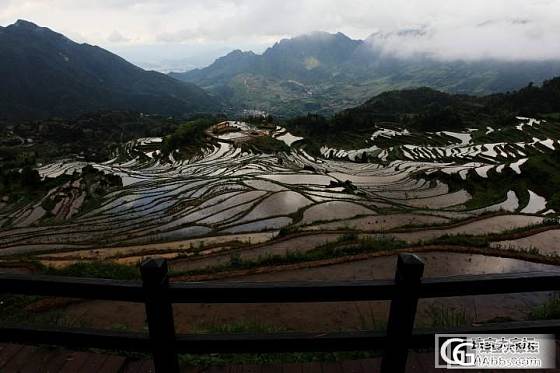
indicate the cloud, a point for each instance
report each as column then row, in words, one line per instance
column 504, row 39
column 117, row 37
column 510, row 29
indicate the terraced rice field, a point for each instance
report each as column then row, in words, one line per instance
column 227, row 197
column 227, row 205
column 481, row 156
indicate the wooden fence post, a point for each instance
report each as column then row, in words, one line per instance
column 159, row 313
column 402, row 313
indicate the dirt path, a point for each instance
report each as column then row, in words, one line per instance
column 300, row 243
column 304, row 243
column 335, row 316
column 546, row 242
column 494, row 224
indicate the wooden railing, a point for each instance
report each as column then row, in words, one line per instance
column 158, row 295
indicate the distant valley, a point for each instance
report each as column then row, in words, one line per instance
column 325, row 73
column 47, row 75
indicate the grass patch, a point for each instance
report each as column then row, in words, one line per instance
column 267, row 358
column 547, row 311
column 19, row 310
column 205, row 361
column 445, row 317
column 485, row 239
column 285, row 231
column 107, row 270
column 438, row 317
column 237, row 327
column 461, row 240
column 345, row 245
column 265, row 144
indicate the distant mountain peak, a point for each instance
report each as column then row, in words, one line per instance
column 239, row 52
column 323, row 34
column 314, row 37
column 24, row 23
column 332, row 71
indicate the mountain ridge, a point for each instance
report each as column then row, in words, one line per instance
column 46, row 74
column 428, row 110
column 332, row 72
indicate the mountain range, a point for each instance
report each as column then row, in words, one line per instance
column 45, row 74
column 324, row 73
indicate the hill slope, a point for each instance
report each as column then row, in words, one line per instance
column 325, row 73
column 46, row 74
column 427, row 110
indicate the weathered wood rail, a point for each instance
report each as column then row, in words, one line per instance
column 158, row 295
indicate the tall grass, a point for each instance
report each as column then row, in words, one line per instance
column 445, row 317
column 107, row 270
column 346, row 245
column 547, row 311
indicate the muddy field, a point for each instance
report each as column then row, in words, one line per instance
column 336, row 316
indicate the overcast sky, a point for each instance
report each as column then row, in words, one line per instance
column 174, row 33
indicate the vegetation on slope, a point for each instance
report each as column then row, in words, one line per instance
column 425, row 109
column 45, row 74
column 25, row 181
column 188, row 138
column 325, row 73
column 265, row 144
column 493, row 189
column 94, row 136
